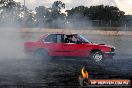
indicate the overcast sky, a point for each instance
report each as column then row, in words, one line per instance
column 124, row 5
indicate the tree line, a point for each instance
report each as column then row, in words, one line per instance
column 12, row 13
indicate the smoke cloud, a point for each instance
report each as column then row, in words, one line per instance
column 11, row 44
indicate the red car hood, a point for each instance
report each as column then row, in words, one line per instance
column 102, row 45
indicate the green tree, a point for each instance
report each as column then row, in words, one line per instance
column 10, row 11
column 100, row 12
column 56, row 9
column 78, row 12
column 42, row 11
column 13, row 12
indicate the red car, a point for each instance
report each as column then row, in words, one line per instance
column 69, row 45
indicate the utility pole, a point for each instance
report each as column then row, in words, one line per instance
column 125, row 26
column 24, row 8
column 24, row 13
column 110, row 23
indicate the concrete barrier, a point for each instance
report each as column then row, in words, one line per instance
column 82, row 31
column 79, row 31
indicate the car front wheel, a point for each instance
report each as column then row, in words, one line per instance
column 97, row 56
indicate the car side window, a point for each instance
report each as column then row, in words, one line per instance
column 59, row 38
column 70, row 40
column 51, row 38
column 74, row 39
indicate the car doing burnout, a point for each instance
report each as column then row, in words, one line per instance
column 55, row 45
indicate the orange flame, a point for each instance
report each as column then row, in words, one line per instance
column 84, row 73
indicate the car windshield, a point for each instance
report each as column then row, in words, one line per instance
column 84, row 39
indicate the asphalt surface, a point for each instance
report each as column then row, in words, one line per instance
column 21, row 71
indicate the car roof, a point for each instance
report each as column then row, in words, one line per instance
column 63, row 33
column 44, row 35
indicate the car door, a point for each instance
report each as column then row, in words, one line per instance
column 53, row 43
column 74, row 49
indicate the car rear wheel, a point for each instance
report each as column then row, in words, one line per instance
column 40, row 53
column 97, row 56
